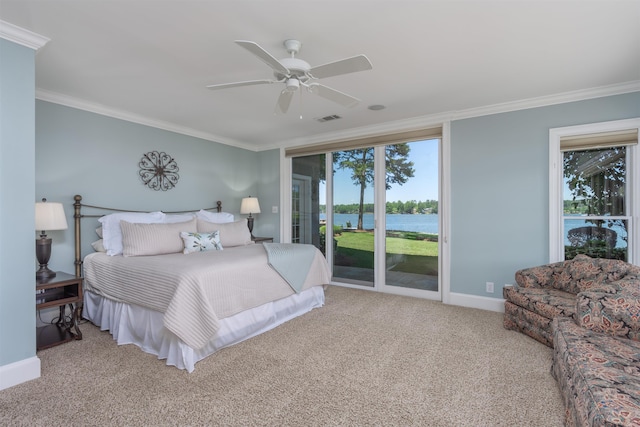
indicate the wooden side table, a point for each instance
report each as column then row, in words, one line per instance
column 262, row 239
column 60, row 291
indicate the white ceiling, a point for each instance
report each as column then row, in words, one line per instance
column 149, row 61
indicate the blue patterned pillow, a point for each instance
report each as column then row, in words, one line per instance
column 200, row 242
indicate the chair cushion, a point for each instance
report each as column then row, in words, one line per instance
column 548, row 303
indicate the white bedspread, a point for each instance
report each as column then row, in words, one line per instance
column 194, row 291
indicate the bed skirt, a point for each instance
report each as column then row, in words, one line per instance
column 132, row 324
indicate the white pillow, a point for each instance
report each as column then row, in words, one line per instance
column 112, row 233
column 201, row 242
column 231, row 233
column 215, row 217
column 154, row 239
column 178, row 218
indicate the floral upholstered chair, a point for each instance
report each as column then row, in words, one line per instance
column 545, row 292
column 596, row 358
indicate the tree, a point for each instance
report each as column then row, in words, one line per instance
column 360, row 162
column 597, row 178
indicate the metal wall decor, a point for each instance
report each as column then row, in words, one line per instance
column 158, row 171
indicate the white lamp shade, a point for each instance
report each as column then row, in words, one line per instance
column 250, row 206
column 50, row 216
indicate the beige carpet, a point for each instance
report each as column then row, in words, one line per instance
column 365, row 358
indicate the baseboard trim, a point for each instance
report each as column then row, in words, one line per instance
column 19, row 372
column 474, row 301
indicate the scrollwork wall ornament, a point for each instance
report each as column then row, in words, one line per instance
column 158, row 171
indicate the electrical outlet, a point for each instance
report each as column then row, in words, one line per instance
column 274, row 209
column 490, row 287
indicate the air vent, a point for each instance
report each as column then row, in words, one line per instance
column 328, row 118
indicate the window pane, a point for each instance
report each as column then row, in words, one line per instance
column 353, row 223
column 308, row 174
column 596, row 238
column 594, row 182
column 411, row 218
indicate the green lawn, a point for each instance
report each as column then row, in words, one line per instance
column 418, row 256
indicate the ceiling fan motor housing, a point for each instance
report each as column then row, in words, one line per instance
column 297, row 68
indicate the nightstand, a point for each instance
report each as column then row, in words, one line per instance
column 262, row 239
column 60, row 291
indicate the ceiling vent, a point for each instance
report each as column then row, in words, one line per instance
column 328, row 118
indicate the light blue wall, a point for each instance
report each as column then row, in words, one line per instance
column 500, row 188
column 267, row 223
column 78, row 152
column 17, row 234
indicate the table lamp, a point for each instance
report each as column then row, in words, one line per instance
column 250, row 205
column 49, row 216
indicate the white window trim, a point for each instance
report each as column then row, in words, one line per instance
column 556, row 244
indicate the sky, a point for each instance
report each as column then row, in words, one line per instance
column 422, row 186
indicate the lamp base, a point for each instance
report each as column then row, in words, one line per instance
column 250, row 225
column 43, row 253
column 44, row 273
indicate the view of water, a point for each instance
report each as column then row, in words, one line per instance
column 429, row 224
column 575, row 223
column 421, row 223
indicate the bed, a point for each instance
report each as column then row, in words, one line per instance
column 183, row 285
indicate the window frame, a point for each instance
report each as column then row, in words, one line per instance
column 556, row 202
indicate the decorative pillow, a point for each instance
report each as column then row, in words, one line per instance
column 215, row 217
column 154, row 239
column 200, row 242
column 231, row 233
column 99, row 232
column 98, row 246
column 112, row 233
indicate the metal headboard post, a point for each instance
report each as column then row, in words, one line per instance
column 76, row 225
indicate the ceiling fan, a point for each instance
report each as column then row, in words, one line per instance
column 294, row 73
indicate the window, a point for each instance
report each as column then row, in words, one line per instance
column 594, row 191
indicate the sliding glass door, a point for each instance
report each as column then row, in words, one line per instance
column 411, row 217
column 353, row 212
column 373, row 212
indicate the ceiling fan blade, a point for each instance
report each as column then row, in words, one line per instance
column 343, row 66
column 264, row 56
column 284, row 101
column 236, row 84
column 334, row 95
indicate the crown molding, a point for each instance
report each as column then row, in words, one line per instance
column 544, row 101
column 79, row 104
column 436, row 119
column 23, row 37
column 388, row 127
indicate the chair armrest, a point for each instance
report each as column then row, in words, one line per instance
column 616, row 314
column 505, row 290
column 542, row 276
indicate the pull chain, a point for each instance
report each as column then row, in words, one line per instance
column 300, row 104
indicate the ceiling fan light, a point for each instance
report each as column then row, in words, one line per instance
column 292, row 85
